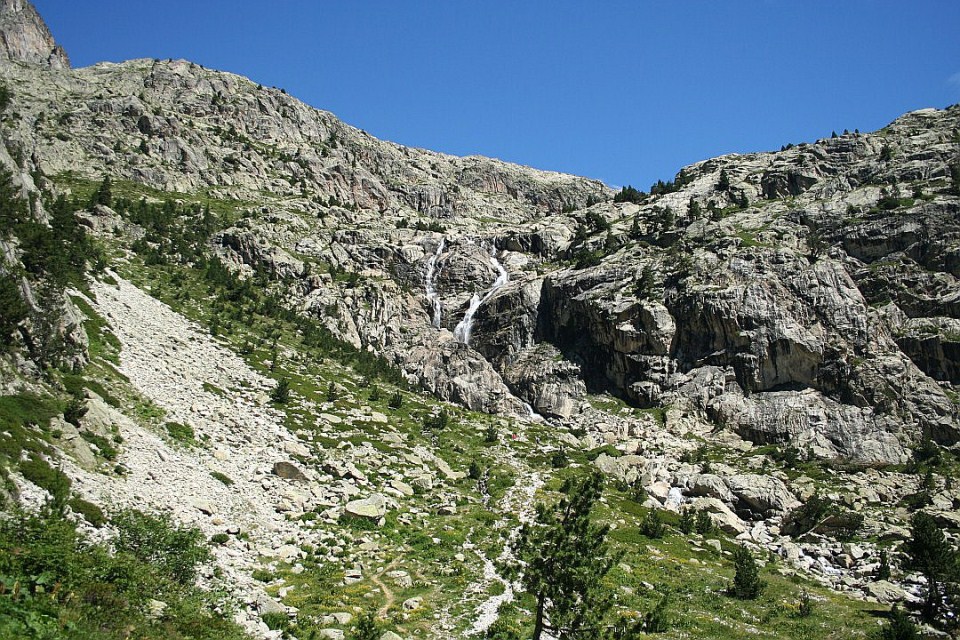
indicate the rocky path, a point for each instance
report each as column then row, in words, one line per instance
column 519, row 500
column 172, row 362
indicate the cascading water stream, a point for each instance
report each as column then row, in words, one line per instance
column 465, row 327
column 433, row 296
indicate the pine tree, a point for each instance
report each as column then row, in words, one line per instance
column 104, row 193
column 928, row 552
column 723, row 184
column 13, row 310
column 564, row 559
column 747, row 584
column 901, row 627
column 281, row 392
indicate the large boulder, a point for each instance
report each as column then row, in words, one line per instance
column 764, row 496
column 373, row 507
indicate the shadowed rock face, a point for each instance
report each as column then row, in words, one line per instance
column 809, row 298
column 24, row 37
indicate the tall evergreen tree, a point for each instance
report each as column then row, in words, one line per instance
column 928, row 552
column 564, row 558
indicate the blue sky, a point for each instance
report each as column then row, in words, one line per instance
column 626, row 92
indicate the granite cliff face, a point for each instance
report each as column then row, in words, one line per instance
column 24, row 37
column 801, row 301
column 819, row 314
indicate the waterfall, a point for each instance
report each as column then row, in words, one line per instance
column 465, row 326
column 433, row 296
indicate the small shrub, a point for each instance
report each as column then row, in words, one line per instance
column 219, row 538
column 807, row 516
column 90, row 512
column 261, row 575
column 475, row 470
column 436, row 422
column 805, row 605
column 704, row 523
column 104, row 446
column 658, row 620
column 39, row 472
column 222, row 477
column 182, row 433
column 155, row 539
column 332, row 393
column 75, row 410
column 396, row 400
column 607, row 449
column 559, row 460
column 276, row 620
column 652, row 525
column 367, row 627
column 374, row 394
column 901, row 627
column 490, row 435
column 883, row 569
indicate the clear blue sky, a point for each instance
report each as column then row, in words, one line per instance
column 623, row 91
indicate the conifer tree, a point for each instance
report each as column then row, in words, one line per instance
column 928, row 552
column 564, row 558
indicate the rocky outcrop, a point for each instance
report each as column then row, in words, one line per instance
column 24, row 37
column 763, row 301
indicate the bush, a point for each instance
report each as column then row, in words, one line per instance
column 219, row 538
column 222, row 477
column 475, row 470
column 69, row 587
column 155, row 539
column 276, row 620
column 883, row 569
column 688, row 520
column 261, row 575
column 90, row 512
column 704, row 523
column 39, row 472
column 367, row 627
column 608, row 449
column 396, row 400
column 652, row 525
column 808, row 515
column 182, row 433
column 658, row 621
column 490, row 435
column 747, row 584
column 75, row 410
column 901, row 627
column 104, row 446
column 558, row 459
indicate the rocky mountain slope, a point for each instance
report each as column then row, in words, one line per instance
column 760, row 332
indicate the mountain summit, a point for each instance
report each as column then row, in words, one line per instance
column 24, row 36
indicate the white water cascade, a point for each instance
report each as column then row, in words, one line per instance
column 463, row 329
column 433, row 296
